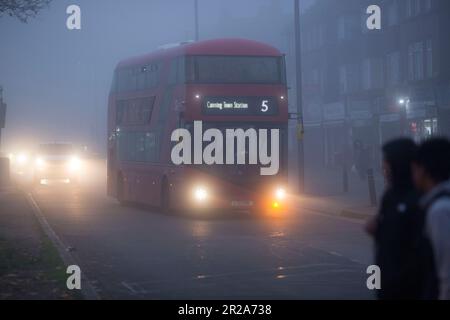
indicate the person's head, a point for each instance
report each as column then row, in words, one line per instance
column 398, row 156
column 432, row 164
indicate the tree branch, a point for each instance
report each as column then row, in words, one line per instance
column 22, row 9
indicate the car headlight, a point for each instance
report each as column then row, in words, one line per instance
column 280, row 194
column 40, row 162
column 22, row 159
column 201, row 194
column 74, row 164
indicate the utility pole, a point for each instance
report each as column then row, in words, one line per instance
column 299, row 94
column 2, row 115
column 196, row 20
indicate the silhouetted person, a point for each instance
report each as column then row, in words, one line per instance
column 431, row 175
column 397, row 227
column 362, row 158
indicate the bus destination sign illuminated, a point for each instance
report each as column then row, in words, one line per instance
column 240, row 106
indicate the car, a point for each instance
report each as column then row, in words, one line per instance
column 57, row 163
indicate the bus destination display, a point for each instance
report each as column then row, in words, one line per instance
column 240, row 106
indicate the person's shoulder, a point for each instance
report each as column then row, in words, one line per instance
column 440, row 206
column 439, row 213
column 407, row 196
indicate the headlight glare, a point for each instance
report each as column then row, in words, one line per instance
column 280, row 194
column 22, row 159
column 200, row 194
column 40, row 162
column 74, row 164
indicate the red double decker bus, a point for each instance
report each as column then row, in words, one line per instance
column 225, row 84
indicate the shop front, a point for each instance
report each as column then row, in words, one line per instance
column 335, row 133
column 422, row 123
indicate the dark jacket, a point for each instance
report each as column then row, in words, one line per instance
column 402, row 251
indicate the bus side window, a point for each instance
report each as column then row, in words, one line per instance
column 181, row 74
column 119, row 112
column 189, row 70
column 173, row 72
column 138, row 78
column 129, row 146
column 148, row 104
column 151, row 150
column 164, row 107
column 125, row 80
column 121, row 145
column 140, row 147
column 141, row 78
column 283, row 70
column 114, row 83
column 177, row 72
column 152, row 75
column 134, row 111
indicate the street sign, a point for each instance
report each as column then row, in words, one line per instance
column 2, row 115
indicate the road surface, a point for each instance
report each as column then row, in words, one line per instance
column 136, row 253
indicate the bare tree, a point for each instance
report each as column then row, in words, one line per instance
column 22, row 9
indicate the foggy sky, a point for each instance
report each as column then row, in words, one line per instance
column 56, row 81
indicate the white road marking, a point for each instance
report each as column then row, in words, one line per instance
column 129, row 287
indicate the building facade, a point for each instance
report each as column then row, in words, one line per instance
column 364, row 86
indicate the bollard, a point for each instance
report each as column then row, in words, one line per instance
column 372, row 189
column 4, row 172
column 345, row 178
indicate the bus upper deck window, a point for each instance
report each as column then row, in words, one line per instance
column 190, row 69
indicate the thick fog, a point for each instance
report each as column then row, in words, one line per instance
column 56, row 81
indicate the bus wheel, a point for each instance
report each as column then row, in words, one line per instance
column 120, row 190
column 165, row 196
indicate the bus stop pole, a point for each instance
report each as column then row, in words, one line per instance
column 298, row 77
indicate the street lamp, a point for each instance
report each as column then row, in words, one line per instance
column 299, row 93
column 404, row 104
column 196, row 20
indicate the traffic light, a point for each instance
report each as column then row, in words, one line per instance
column 2, row 115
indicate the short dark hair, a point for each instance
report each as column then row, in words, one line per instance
column 434, row 156
column 400, row 154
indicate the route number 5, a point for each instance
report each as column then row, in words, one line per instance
column 265, row 106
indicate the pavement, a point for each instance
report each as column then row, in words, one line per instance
column 140, row 253
column 324, row 193
column 30, row 266
column 340, row 206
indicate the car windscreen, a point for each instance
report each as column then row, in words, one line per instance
column 56, row 149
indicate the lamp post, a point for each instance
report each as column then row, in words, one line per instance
column 2, row 114
column 196, row 20
column 298, row 80
column 404, row 104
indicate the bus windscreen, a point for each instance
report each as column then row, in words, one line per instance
column 235, row 70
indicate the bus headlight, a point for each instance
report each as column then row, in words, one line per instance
column 280, row 194
column 200, row 194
